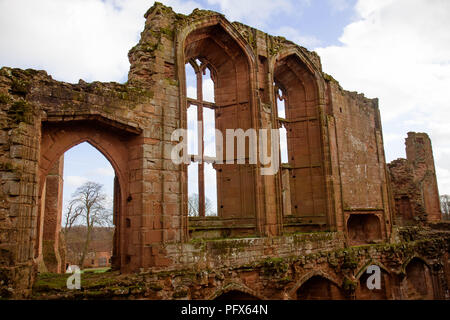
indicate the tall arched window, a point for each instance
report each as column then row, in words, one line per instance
column 202, row 184
column 302, row 173
column 216, row 60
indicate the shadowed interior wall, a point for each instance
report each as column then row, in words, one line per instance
column 363, row 228
column 319, row 288
column 418, row 281
column 364, row 293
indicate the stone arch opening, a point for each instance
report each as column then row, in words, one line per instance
column 363, row 229
column 86, row 167
column 296, row 98
column 113, row 143
column 319, row 288
column 418, row 283
column 213, row 49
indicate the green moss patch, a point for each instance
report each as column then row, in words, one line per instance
column 21, row 111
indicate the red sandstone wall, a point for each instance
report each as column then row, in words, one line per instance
column 131, row 124
column 414, row 182
column 358, row 155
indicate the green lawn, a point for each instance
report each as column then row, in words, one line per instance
column 96, row 270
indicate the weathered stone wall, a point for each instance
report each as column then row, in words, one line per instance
column 336, row 170
column 414, row 182
column 52, row 219
column 32, row 103
column 358, row 158
column 412, row 269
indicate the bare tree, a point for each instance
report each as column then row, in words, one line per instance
column 88, row 205
column 71, row 217
column 193, row 206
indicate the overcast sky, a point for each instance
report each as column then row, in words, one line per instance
column 396, row 50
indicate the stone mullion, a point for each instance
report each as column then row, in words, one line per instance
column 201, row 144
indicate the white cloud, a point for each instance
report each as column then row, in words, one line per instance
column 105, row 172
column 339, row 5
column 399, row 51
column 254, row 13
column 75, row 181
column 294, row 35
column 77, row 39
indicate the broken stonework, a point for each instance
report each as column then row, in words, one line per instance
column 308, row 232
column 414, row 182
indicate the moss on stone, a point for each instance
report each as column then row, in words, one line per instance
column 50, row 281
column 7, row 166
column 275, row 266
column 349, row 285
column 4, row 98
column 19, row 87
column 350, row 260
column 155, row 287
column 21, row 111
column 180, row 294
column 172, row 82
column 168, row 33
column 285, row 280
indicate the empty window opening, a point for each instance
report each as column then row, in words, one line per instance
column 284, row 156
column 210, row 193
column 192, row 127
column 209, row 125
column 284, row 145
column 281, row 109
column 191, row 82
column 281, row 114
column 208, row 86
column 193, row 189
column 202, row 181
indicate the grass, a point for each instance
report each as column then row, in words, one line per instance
column 96, row 270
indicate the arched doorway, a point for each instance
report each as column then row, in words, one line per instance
column 88, row 177
column 57, row 138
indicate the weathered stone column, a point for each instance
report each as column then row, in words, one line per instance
column 52, row 218
column 420, row 156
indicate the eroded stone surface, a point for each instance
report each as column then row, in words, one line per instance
column 337, row 178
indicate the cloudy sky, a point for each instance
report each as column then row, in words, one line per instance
column 396, row 50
